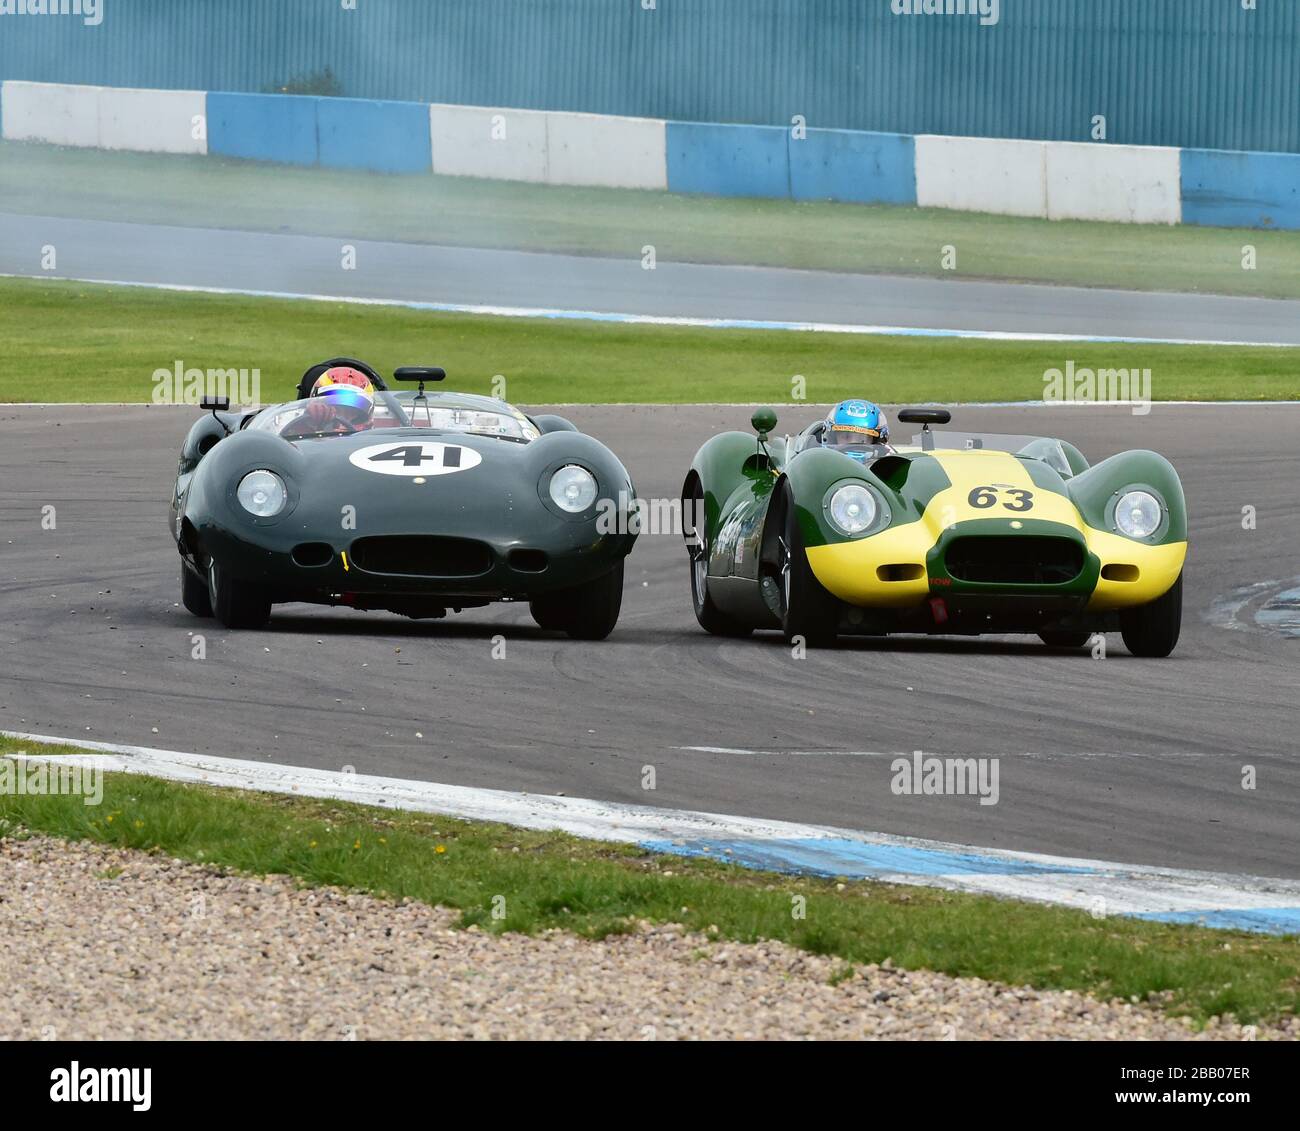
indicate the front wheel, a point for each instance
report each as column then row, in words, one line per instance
column 1152, row 630
column 236, row 604
column 194, row 593
column 807, row 609
column 586, row 612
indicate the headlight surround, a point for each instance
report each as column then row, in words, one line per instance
column 853, row 509
column 1138, row 514
column 262, row 493
column 573, row 489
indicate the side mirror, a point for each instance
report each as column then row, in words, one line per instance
column 763, row 421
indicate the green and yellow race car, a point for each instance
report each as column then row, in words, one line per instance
column 836, row 531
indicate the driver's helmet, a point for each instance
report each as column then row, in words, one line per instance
column 346, row 395
column 855, row 424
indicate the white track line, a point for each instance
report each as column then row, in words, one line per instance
column 659, row 319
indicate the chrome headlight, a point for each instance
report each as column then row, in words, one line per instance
column 853, row 508
column 262, row 493
column 1138, row 514
column 573, row 489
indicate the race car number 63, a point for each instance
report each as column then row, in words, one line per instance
column 415, row 458
column 981, row 498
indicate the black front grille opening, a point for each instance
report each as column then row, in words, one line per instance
column 311, row 554
column 528, row 561
column 419, row 555
column 1015, row 560
column 900, row 571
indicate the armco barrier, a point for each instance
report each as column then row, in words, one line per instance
column 152, row 121
column 976, row 174
column 51, row 112
column 264, row 127
column 387, row 137
column 728, row 160
column 1060, row 180
column 476, row 141
column 1246, row 190
column 591, row 149
column 864, row 168
column 1126, row 183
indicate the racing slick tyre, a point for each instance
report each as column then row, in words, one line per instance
column 1065, row 639
column 236, row 604
column 808, row 610
column 587, row 612
column 711, row 618
column 194, row 593
column 1152, row 630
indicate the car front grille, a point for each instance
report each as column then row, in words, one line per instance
column 1014, row 559
column 421, row 555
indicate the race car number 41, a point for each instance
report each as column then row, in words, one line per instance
column 415, row 458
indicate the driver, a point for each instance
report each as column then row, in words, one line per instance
column 342, row 402
column 858, row 429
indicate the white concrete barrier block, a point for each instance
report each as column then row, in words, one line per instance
column 977, row 174
column 50, row 112
column 596, row 149
column 153, row 121
column 478, row 141
column 1127, row 183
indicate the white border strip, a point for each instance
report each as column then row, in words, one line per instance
column 660, row 319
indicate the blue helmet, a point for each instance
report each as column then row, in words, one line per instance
column 855, row 424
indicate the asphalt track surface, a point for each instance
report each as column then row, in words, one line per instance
column 421, row 273
column 1132, row 760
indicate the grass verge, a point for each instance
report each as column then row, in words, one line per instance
column 593, row 889
column 110, row 340
column 219, row 192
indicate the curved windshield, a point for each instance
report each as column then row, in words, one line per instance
column 481, row 416
column 319, row 416
column 437, row 412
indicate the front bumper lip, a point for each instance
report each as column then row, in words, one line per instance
column 574, row 563
column 902, row 566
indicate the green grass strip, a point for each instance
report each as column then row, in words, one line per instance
column 66, row 341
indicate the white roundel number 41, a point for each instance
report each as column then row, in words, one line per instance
column 416, row 458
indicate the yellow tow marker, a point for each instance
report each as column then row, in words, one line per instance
column 344, row 555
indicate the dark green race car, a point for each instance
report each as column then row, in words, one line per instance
column 953, row 533
column 442, row 501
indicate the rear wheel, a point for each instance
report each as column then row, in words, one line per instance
column 808, row 610
column 236, row 604
column 194, row 592
column 1065, row 639
column 711, row 618
column 586, row 612
column 1152, row 630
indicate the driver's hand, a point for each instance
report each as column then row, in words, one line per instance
column 319, row 410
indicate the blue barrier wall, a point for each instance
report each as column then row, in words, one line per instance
column 728, row 160
column 865, row 168
column 264, row 127
column 1196, row 73
column 388, row 137
column 1246, row 190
